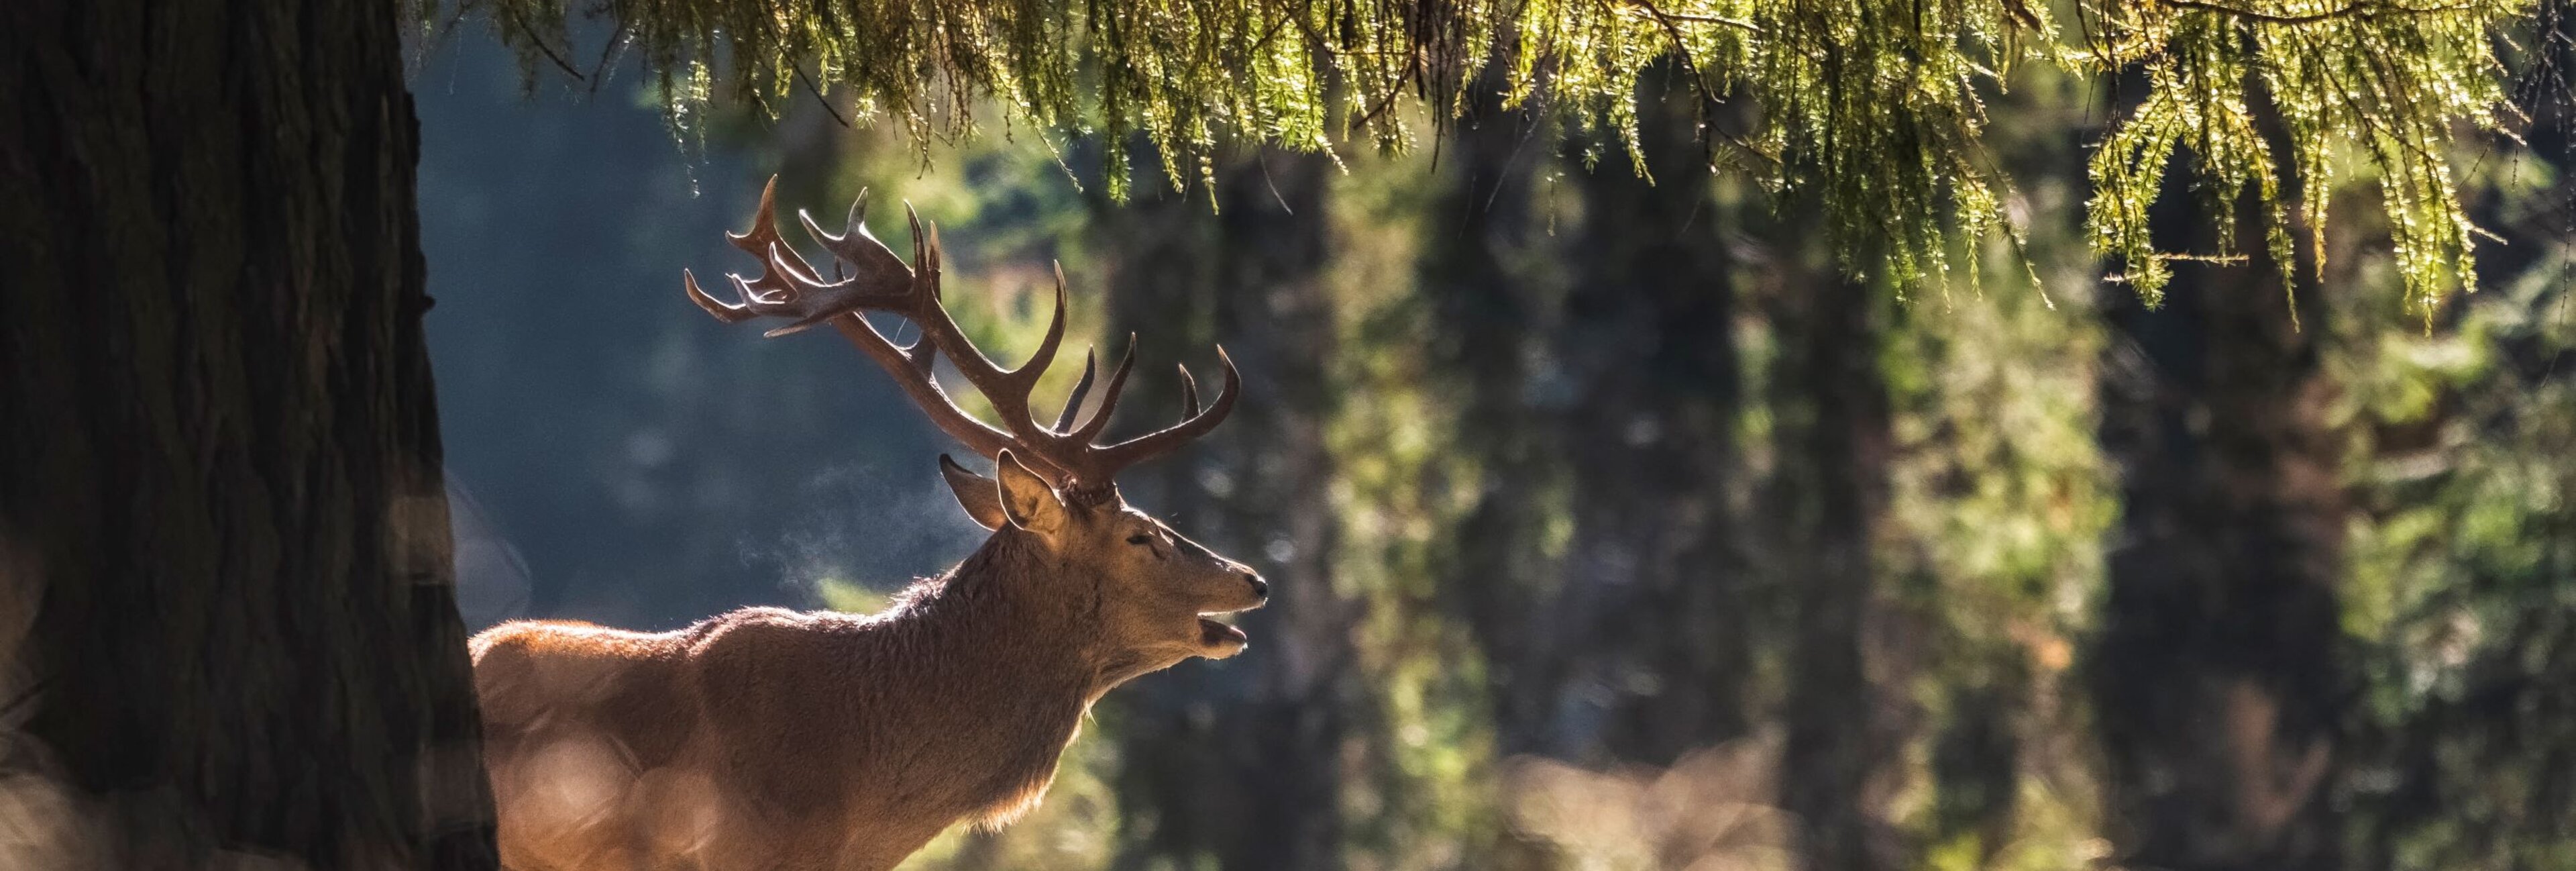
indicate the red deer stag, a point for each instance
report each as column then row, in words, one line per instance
column 770, row 739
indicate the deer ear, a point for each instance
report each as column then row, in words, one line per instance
column 1027, row 500
column 981, row 497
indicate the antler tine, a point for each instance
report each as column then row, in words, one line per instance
column 779, row 291
column 1189, row 392
column 1044, row 357
column 1073, row 401
column 724, row 311
column 1007, row 390
column 764, row 224
column 1106, row 461
column 854, row 245
column 1108, row 396
column 925, row 251
column 815, row 302
column 789, row 286
column 764, row 234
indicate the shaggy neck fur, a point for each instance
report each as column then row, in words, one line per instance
column 1010, row 601
column 1009, row 644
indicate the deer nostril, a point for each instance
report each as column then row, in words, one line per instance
column 1260, row 588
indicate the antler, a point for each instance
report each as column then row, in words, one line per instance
column 1065, row 453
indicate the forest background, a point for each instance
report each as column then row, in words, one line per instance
column 1613, row 523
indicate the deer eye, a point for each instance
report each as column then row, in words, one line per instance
column 1139, row 538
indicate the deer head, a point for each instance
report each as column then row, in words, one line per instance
column 1054, row 491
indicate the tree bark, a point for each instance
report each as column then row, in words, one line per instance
column 224, row 569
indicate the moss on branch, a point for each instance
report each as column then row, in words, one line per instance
column 1872, row 107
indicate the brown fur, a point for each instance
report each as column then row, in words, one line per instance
column 771, row 739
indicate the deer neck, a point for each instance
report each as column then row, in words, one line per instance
column 998, row 643
column 1051, row 608
column 1012, row 619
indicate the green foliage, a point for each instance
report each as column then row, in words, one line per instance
column 2001, row 496
column 1399, row 493
column 2391, row 82
column 2464, row 568
column 1876, row 109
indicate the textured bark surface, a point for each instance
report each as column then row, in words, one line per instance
column 230, row 631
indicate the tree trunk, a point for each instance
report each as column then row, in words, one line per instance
column 1250, row 278
column 1649, row 339
column 1835, row 446
column 1273, row 312
column 224, row 567
column 1477, row 275
column 2216, row 681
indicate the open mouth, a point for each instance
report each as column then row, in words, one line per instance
column 1215, row 634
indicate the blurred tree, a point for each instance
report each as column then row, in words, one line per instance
column 2216, row 677
column 224, row 553
column 1485, row 275
column 1250, row 277
column 2463, row 558
column 1830, row 500
column 2000, row 499
column 1276, row 242
column 2466, row 556
column 1648, row 348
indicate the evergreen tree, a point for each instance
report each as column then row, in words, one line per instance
column 224, row 551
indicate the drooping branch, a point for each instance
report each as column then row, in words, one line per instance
column 1875, row 110
column 2362, row 9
